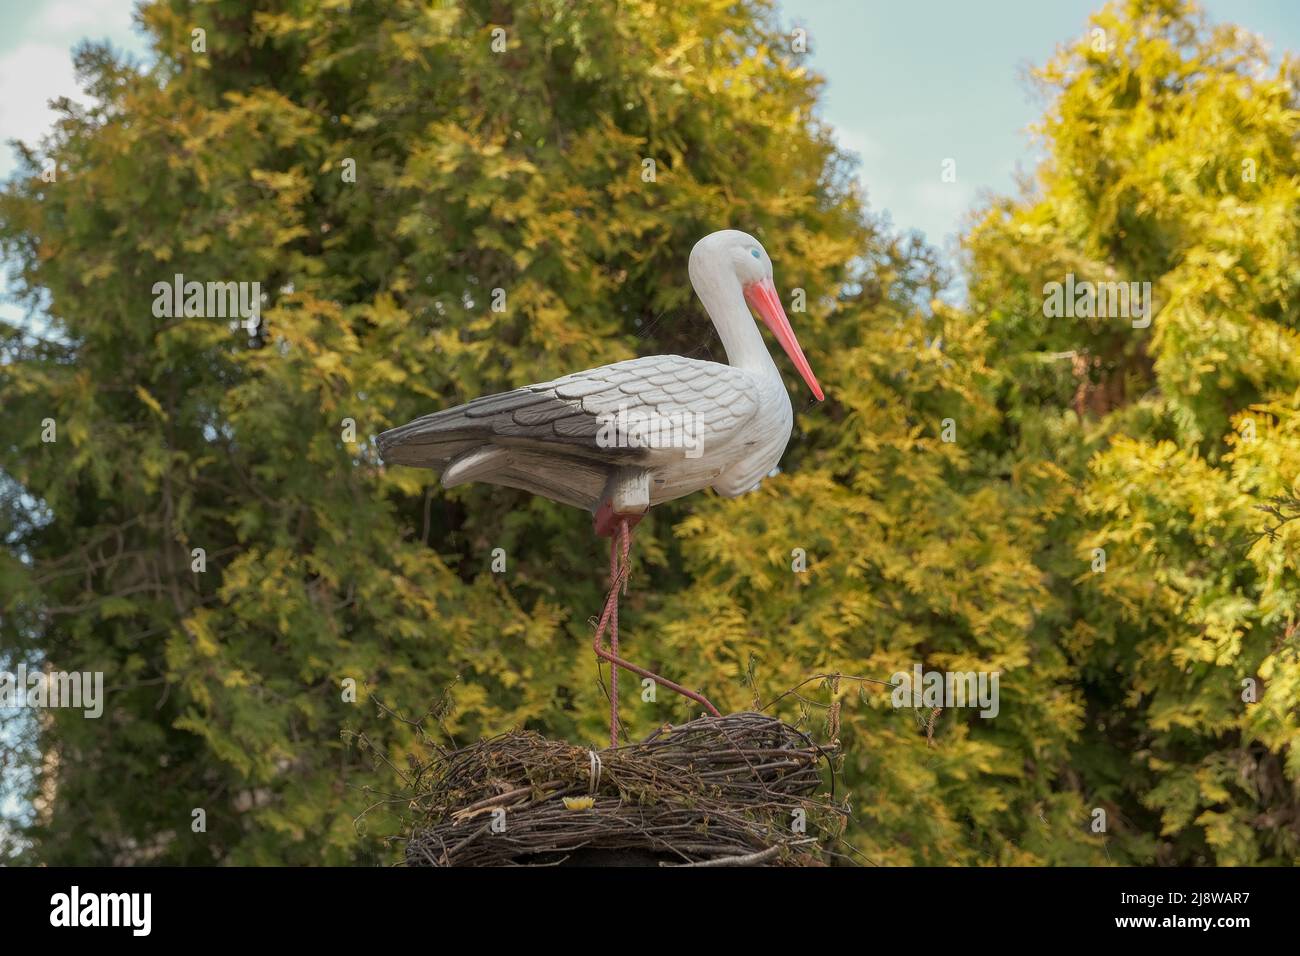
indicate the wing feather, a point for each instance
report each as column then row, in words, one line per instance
column 552, row 430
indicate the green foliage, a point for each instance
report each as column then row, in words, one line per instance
column 524, row 170
column 1172, row 161
column 475, row 170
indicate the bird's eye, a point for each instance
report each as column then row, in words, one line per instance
column 755, row 253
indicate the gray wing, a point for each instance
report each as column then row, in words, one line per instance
column 554, row 438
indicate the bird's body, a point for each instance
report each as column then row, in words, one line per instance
column 688, row 424
column 636, row 433
column 618, row 439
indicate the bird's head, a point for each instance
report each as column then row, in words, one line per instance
column 740, row 252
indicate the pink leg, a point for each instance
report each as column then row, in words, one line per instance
column 621, row 541
column 613, row 644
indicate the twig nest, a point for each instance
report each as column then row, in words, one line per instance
column 740, row 790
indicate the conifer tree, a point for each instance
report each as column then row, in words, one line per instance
column 445, row 200
column 1171, row 161
column 438, row 201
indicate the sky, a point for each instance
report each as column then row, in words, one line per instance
column 909, row 83
column 36, row 41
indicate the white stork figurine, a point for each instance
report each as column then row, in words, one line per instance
column 618, row 439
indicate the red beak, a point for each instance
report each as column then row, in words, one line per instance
column 762, row 297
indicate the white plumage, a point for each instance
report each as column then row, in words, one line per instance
column 639, row 432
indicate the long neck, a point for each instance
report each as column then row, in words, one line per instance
column 719, row 289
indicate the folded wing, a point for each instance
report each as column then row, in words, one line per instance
column 562, row 439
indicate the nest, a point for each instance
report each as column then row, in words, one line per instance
column 737, row 790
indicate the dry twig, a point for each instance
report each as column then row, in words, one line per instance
column 715, row 791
